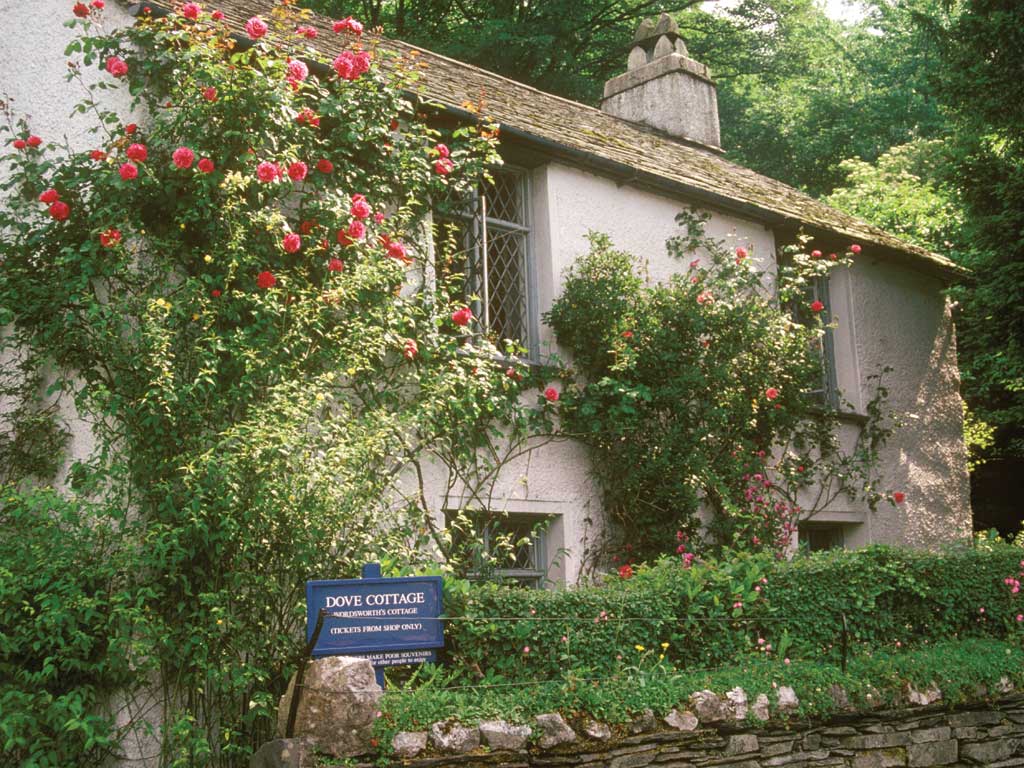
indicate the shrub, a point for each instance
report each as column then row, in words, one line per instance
column 69, row 628
column 715, row 613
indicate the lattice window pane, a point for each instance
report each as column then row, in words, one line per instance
column 506, row 283
column 505, row 198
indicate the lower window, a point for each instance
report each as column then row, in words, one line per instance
column 502, row 547
column 817, row 537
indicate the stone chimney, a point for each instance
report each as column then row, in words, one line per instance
column 664, row 88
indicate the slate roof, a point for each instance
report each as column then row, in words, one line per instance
column 617, row 147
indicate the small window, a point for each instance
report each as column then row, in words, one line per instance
column 487, row 241
column 504, row 547
column 828, row 393
column 818, row 537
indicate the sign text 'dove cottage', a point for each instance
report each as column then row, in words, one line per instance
column 389, row 621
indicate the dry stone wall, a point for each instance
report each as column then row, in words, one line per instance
column 990, row 734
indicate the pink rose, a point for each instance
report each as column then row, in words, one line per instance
column 741, row 253
column 190, row 11
column 410, row 349
column 292, row 242
column 551, row 395
column 462, row 316
column 297, row 171
column 137, row 152
column 205, row 165
column 771, row 393
column 442, row 150
column 444, row 166
column 49, row 196
column 297, row 71
column 335, row 265
column 854, row 249
column 307, row 32
column 128, row 171
column 268, row 172
column 210, row 93
column 360, row 208
column 256, row 28
column 356, row 230
column 183, row 157
column 117, row 66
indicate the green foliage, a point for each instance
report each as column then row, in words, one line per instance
column 871, row 679
column 252, row 402
column 715, row 613
column 695, row 395
column 71, row 630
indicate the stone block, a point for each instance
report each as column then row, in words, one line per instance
column 553, row 731
column 931, row 734
column 931, row 753
column 634, row 760
column 337, row 707
column 988, row 752
column 760, row 707
column 598, row 731
column 681, row 721
column 787, row 700
column 285, row 753
column 880, row 758
column 929, row 695
column 737, row 703
column 708, row 707
column 977, row 717
column 408, row 744
column 645, row 722
column 741, row 743
column 454, row 738
column 498, row 734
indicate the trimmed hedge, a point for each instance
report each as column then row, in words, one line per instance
column 713, row 613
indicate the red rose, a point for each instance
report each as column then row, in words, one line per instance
column 817, row 306
column 627, row 334
column 131, row 128
column 49, row 196
column 397, row 251
column 19, row 144
column 266, row 280
column 217, row 15
column 393, row 125
column 297, row 171
column 215, row 293
column 210, row 93
column 137, row 152
column 183, row 157
column 117, row 66
column 771, row 393
column 307, row 226
column 34, row 141
column 551, row 395
column 110, row 238
column 335, row 265
column 98, row 155
column 60, row 210
column 99, row 5
column 190, row 11
column 444, row 166
column 854, row 249
column 128, row 171
column 741, row 253
column 325, row 166
column 81, row 10
column 462, row 316
column 205, row 165
column 815, row 254
column 442, row 150
column 409, row 349
column 626, row 572
column 292, row 242
column 899, row 497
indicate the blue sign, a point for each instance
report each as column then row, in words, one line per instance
column 380, row 619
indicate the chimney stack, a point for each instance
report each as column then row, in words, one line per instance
column 664, row 88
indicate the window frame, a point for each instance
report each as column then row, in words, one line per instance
column 530, row 578
column 480, row 225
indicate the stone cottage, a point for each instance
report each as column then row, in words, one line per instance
column 626, row 169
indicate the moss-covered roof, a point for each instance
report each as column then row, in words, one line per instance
column 620, row 148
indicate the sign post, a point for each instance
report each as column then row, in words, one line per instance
column 390, row 621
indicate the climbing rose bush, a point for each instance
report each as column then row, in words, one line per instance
column 228, row 285
column 697, row 397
